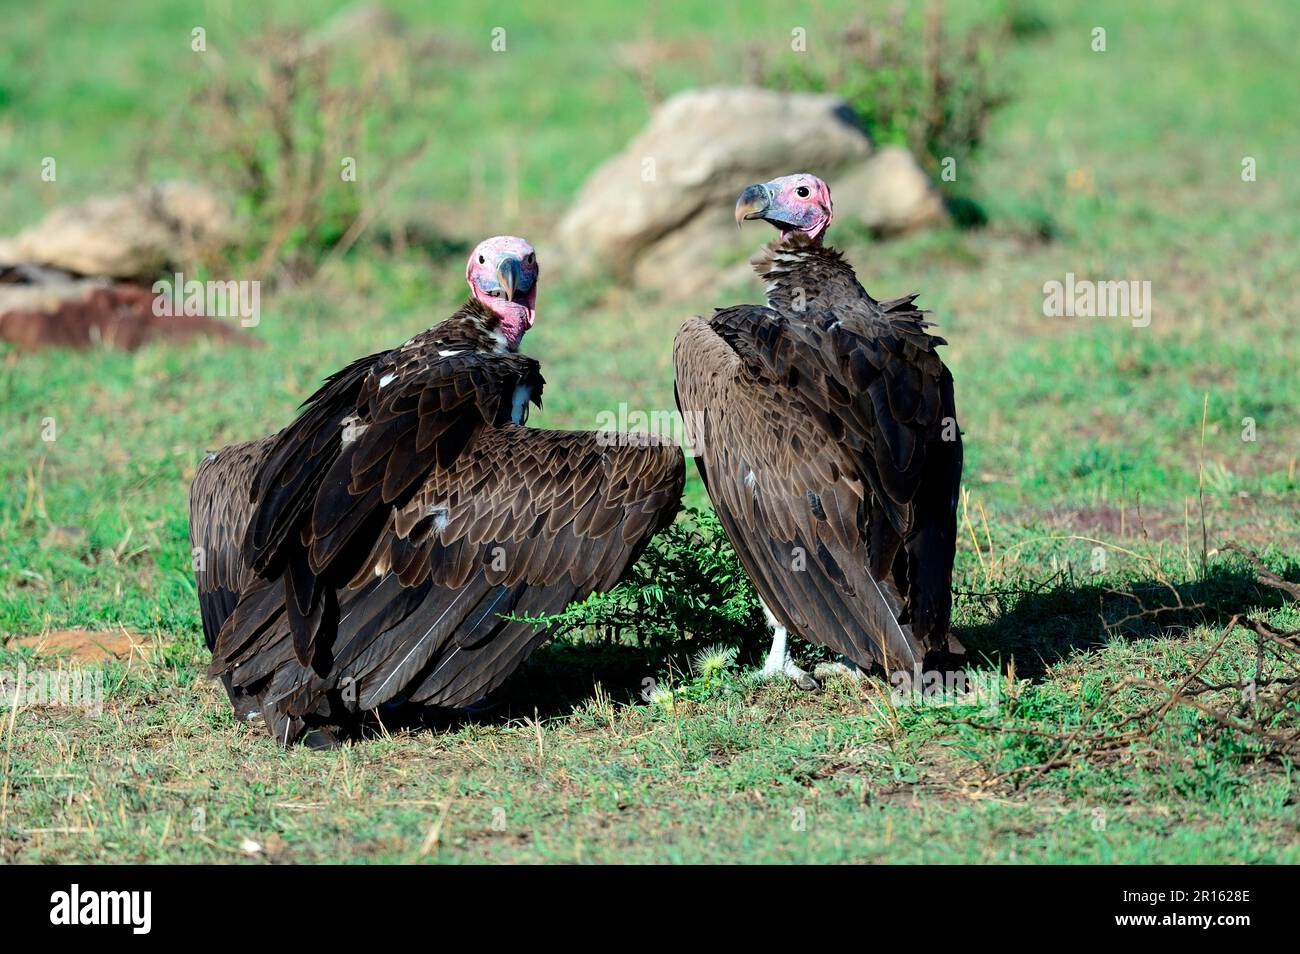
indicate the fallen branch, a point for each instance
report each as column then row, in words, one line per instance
column 1261, row 708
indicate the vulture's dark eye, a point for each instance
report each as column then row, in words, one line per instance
column 481, row 260
column 802, row 192
column 494, row 293
column 529, row 258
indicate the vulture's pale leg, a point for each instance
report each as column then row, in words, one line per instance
column 779, row 662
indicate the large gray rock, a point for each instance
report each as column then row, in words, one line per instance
column 889, row 193
column 134, row 235
column 660, row 212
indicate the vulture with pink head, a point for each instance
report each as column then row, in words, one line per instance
column 371, row 551
column 824, row 428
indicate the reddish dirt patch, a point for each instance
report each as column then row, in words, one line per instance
column 117, row 316
column 86, row 646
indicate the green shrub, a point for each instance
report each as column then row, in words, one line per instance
column 911, row 79
column 687, row 593
column 285, row 125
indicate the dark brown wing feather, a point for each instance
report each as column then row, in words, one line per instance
column 361, row 446
column 295, row 464
column 522, row 522
column 219, row 513
column 837, row 354
column 922, row 570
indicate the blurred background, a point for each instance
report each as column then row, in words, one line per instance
column 1003, row 145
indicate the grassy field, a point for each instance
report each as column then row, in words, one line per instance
column 1084, row 437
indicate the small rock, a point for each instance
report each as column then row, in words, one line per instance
column 131, row 236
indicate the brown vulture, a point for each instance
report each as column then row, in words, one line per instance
column 825, row 431
column 367, row 553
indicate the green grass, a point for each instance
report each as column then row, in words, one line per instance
column 1074, row 428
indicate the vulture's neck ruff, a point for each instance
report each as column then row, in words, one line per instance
column 799, row 270
column 473, row 327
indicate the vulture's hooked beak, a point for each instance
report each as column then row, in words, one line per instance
column 510, row 274
column 753, row 203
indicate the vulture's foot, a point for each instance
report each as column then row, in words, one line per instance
column 779, row 662
column 831, row 670
column 785, row 668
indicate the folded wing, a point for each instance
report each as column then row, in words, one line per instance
column 814, row 446
column 363, row 446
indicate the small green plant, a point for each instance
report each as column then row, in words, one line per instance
column 712, row 661
column 687, row 587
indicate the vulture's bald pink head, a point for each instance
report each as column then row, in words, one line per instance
column 502, row 273
column 797, row 203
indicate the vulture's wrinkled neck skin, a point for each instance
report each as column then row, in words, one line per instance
column 474, row 327
column 801, row 272
column 513, row 318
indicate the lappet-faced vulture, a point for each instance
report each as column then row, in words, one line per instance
column 367, row 553
column 825, row 431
